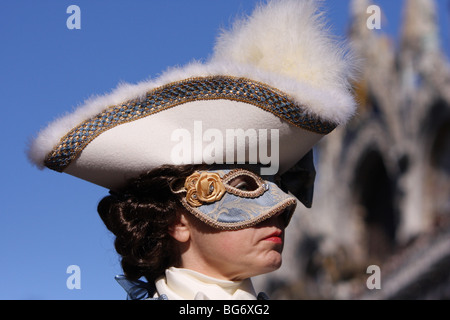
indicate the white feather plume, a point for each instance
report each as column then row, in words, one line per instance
column 291, row 40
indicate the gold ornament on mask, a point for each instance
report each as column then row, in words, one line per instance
column 204, row 187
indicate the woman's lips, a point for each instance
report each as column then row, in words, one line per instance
column 275, row 237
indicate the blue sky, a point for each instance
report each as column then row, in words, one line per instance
column 49, row 220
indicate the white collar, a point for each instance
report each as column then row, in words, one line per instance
column 185, row 284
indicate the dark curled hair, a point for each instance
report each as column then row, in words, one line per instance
column 139, row 216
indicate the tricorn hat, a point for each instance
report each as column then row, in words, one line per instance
column 277, row 82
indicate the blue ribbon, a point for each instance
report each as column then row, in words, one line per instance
column 136, row 289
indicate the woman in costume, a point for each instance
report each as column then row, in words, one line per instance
column 197, row 204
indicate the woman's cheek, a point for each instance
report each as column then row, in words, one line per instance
column 232, row 242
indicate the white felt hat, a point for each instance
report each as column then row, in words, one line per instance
column 278, row 73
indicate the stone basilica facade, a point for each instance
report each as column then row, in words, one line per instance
column 382, row 193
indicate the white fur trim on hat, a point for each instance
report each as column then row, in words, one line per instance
column 284, row 44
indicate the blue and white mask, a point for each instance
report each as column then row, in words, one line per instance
column 234, row 199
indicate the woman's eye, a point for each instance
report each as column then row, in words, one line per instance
column 244, row 183
column 242, row 186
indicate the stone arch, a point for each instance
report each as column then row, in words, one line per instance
column 437, row 128
column 374, row 189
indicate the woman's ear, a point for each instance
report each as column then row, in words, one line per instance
column 180, row 230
